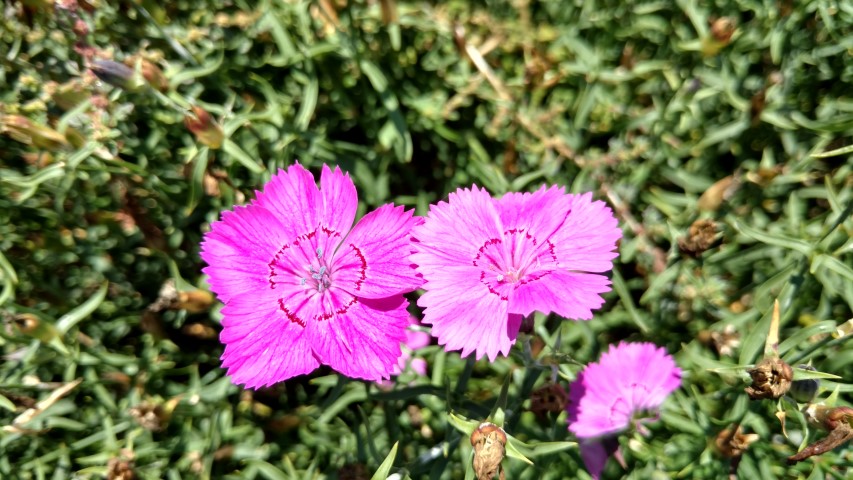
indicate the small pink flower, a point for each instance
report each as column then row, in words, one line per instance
column 489, row 262
column 415, row 340
column 302, row 287
column 608, row 397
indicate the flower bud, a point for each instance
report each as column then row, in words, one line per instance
column 804, row 391
column 489, row 441
column 722, row 30
column 116, row 74
column 31, row 326
column 771, row 378
column 23, row 130
column 204, row 127
column 150, row 72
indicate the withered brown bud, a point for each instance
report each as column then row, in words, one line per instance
column 722, row 29
column 150, row 416
column 838, row 421
column 204, row 127
column 771, row 378
column 700, row 237
column 548, row 398
column 732, row 442
column 489, row 441
column 120, row 469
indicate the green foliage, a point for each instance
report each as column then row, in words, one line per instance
column 659, row 108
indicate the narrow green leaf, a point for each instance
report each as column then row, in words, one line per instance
column 340, row 404
column 67, row 321
column 462, row 424
column 755, row 340
column 241, row 156
column 834, row 153
column 771, row 239
column 193, row 73
column 382, row 471
column 512, row 449
column 6, row 403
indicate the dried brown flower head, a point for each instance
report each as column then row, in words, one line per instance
column 548, row 398
column 120, row 468
column 732, row 442
column 700, row 237
column 150, row 416
column 771, row 378
column 489, row 442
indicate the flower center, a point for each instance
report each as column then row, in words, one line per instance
column 319, row 275
column 511, row 261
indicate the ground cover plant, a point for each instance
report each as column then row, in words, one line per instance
column 710, row 139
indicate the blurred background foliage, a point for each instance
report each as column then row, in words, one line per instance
column 715, row 130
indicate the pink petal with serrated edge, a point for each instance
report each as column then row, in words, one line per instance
column 238, row 248
column 294, row 198
column 570, row 295
column 474, row 321
column 540, row 214
column 261, row 346
column 586, row 242
column 453, row 231
column 365, row 343
column 340, row 200
column 373, row 261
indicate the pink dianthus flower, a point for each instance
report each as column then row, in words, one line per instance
column 303, row 287
column 630, row 380
column 489, row 262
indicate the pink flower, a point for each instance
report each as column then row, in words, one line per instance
column 489, row 262
column 608, row 397
column 302, row 289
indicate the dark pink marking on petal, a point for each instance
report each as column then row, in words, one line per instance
column 492, row 289
column 362, row 271
column 482, row 250
column 290, row 315
column 339, row 311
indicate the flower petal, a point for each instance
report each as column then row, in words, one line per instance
column 262, row 346
column 373, row 261
column 340, row 200
column 238, row 248
column 364, row 342
column 570, row 295
column 454, row 231
column 294, row 198
column 538, row 215
column 587, row 239
column 466, row 316
column 594, row 457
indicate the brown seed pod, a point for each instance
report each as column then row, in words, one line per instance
column 489, row 442
column 771, row 378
